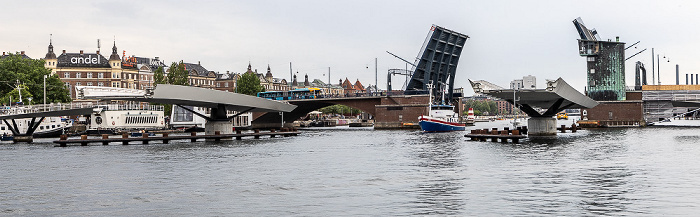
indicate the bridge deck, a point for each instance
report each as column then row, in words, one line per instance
column 194, row 96
column 68, row 112
column 556, row 97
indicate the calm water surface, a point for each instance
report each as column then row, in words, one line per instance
column 360, row 171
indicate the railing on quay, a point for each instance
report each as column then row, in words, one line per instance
column 24, row 109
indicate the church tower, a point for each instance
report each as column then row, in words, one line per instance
column 51, row 59
column 268, row 75
column 114, row 60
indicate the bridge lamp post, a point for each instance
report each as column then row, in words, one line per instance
column 44, row 92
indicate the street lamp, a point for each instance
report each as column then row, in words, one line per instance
column 45, row 92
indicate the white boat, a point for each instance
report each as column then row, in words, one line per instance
column 184, row 119
column 678, row 123
column 49, row 127
column 687, row 119
column 441, row 118
column 114, row 117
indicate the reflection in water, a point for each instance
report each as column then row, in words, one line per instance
column 439, row 193
column 604, row 190
column 362, row 172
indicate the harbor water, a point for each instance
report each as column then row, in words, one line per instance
column 346, row 171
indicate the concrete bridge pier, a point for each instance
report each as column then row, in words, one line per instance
column 218, row 122
column 542, row 126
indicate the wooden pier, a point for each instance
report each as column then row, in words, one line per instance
column 563, row 128
column 494, row 135
column 193, row 137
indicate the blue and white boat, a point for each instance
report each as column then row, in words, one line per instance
column 441, row 118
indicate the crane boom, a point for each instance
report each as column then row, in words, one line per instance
column 402, row 59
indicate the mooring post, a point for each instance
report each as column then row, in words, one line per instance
column 144, row 136
column 194, row 139
column 165, row 135
column 257, row 134
column 573, row 128
column 238, row 133
column 272, row 133
column 83, row 137
column 104, row 137
column 217, row 133
column 124, row 139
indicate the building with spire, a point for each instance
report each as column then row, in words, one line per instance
column 269, row 82
column 90, row 69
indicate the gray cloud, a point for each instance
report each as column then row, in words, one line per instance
column 509, row 39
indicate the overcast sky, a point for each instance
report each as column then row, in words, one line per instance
column 509, row 39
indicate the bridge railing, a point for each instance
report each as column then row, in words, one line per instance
column 349, row 95
column 23, row 109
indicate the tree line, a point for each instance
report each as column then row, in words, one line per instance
column 481, row 107
column 18, row 74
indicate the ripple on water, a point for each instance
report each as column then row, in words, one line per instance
column 358, row 172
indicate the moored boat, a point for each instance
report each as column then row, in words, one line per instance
column 441, row 118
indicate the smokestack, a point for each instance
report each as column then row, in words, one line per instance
column 677, row 74
column 686, row 79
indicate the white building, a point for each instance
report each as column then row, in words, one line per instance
column 528, row 82
column 516, row 84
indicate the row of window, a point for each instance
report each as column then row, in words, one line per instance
column 40, row 127
column 101, row 75
column 80, row 75
column 99, row 84
column 200, row 82
column 141, row 120
column 219, row 84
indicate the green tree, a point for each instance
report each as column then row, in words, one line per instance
column 340, row 109
column 481, row 107
column 178, row 75
column 13, row 96
column 249, row 84
column 159, row 76
column 30, row 72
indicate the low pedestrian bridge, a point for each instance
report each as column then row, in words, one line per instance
column 218, row 101
column 541, row 104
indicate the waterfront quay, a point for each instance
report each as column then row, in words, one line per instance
column 333, row 171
